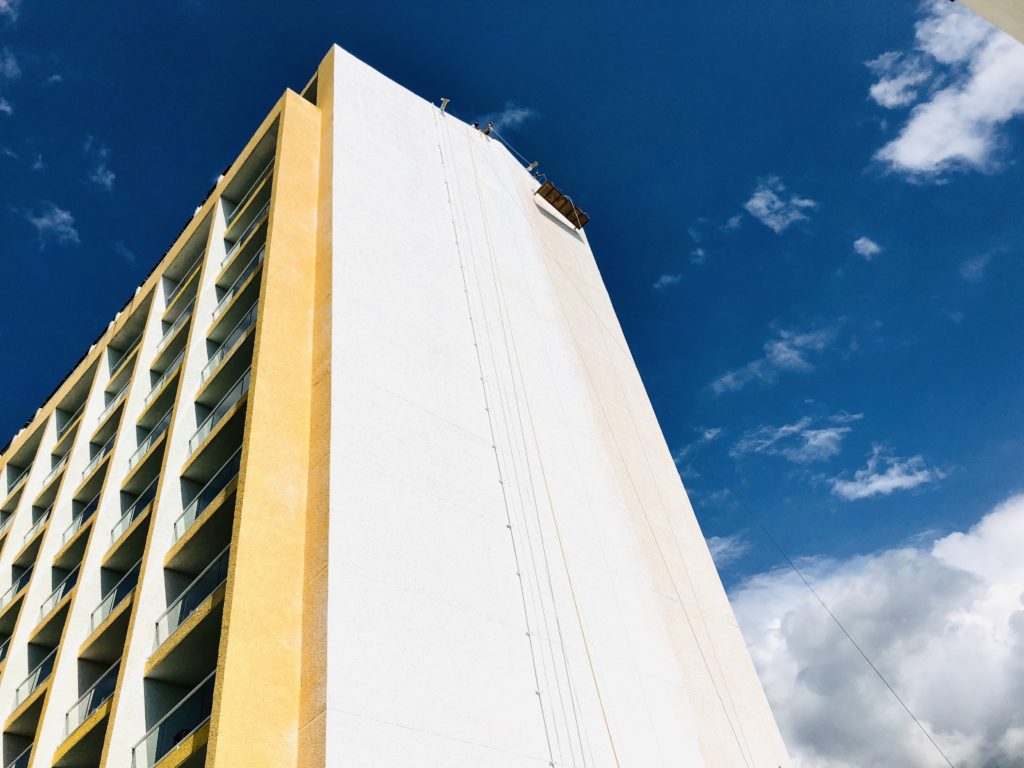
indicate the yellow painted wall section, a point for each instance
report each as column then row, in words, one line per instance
column 256, row 702
column 313, row 698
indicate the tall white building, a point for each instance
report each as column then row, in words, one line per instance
column 364, row 475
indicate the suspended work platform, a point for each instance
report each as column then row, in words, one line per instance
column 563, row 204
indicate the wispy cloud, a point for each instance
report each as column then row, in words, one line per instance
column 884, row 475
column 726, row 550
column 787, row 351
column 8, row 152
column 54, row 79
column 733, row 222
column 100, row 173
column 972, row 76
column 9, row 67
column 124, row 252
column 512, row 117
column 6, row 107
column 973, row 269
column 698, row 256
column 10, row 8
column 53, row 224
column 666, row 281
column 775, row 207
column 867, row 248
column 37, row 163
column 802, row 442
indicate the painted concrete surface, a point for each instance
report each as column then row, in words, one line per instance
column 1006, row 14
column 515, row 573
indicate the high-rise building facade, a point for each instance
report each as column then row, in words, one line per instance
column 364, row 475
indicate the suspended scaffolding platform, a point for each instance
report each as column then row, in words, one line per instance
column 563, row 204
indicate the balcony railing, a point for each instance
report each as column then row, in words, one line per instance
column 176, row 726
column 58, row 593
column 204, row 585
column 62, row 430
column 100, row 455
column 220, row 480
column 37, row 525
column 127, row 353
column 35, row 678
column 237, row 391
column 114, row 402
column 179, row 321
column 240, row 205
column 136, row 509
column 251, row 267
column 4, row 647
column 17, row 480
column 115, row 595
column 56, row 469
column 84, row 514
column 173, row 294
column 21, row 761
column 92, row 699
column 245, row 235
column 240, row 329
column 152, row 437
column 19, row 584
column 165, row 377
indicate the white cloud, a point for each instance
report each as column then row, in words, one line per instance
column 9, row 8
column 53, row 223
column 942, row 621
column 976, row 87
column 883, row 475
column 788, row 351
column 698, row 256
column 734, row 222
column 899, row 75
column 510, row 118
column 973, row 269
column 6, row 107
column 801, row 442
column 665, row 281
column 774, row 207
column 100, row 173
column 54, row 79
column 37, row 163
column 9, row 67
column 124, row 252
column 867, row 248
column 8, row 152
column 726, row 550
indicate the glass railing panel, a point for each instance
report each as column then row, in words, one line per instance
column 114, row 402
column 69, row 421
column 176, row 726
column 184, row 281
column 245, row 235
column 126, row 354
column 92, row 699
column 240, row 205
column 113, row 598
column 247, row 321
column 56, row 469
column 237, row 391
column 179, row 321
column 35, row 678
column 165, row 377
column 134, row 511
column 3, row 648
column 21, row 476
column 251, row 267
column 204, row 585
column 21, row 761
column 6, row 524
column 152, row 437
column 58, row 594
column 100, row 455
column 15, row 588
column 38, row 524
column 86, row 512
column 227, row 472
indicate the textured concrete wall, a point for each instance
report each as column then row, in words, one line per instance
column 516, row 576
column 1007, row 14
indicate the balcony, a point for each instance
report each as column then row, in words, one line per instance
column 156, row 393
column 21, row 761
column 119, row 592
column 70, row 421
column 119, row 362
column 92, row 699
column 234, row 394
column 173, row 339
column 210, row 493
column 98, row 457
column 61, row 591
column 147, row 444
column 176, row 291
column 256, row 190
column 244, row 285
column 55, row 472
column 192, row 597
column 234, row 339
column 108, row 622
column 4, row 647
column 244, row 238
column 35, row 678
column 80, row 519
column 183, row 731
column 128, row 534
column 14, row 593
column 14, row 486
column 33, row 532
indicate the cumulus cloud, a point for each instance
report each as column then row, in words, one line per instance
column 972, row 75
column 53, row 224
column 510, row 118
column 801, row 442
column 943, row 622
column 666, row 281
column 787, row 351
column 973, row 269
column 867, row 248
column 883, row 475
column 100, row 173
column 775, row 207
column 726, row 550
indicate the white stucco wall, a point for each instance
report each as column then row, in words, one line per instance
column 516, row 576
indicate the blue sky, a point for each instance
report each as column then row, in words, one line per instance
column 807, row 215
